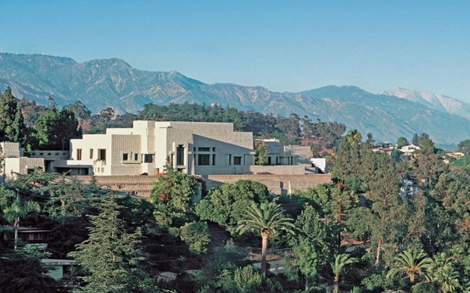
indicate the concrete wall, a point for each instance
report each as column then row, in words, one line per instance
column 279, row 169
column 277, row 184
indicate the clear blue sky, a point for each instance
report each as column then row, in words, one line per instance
column 281, row 45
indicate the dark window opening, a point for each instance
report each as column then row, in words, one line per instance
column 125, row 157
column 213, row 159
column 79, row 154
column 148, row 158
column 180, row 155
column 203, row 160
column 237, row 160
column 102, row 154
column 204, row 149
column 136, row 157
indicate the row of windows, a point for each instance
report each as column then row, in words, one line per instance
column 205, row 160
column 48, row 154
column 101, row 154
column 146, row 158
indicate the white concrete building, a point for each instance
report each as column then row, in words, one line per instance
column 196, row 148
column 14, row 161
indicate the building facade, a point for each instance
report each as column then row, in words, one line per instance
column 196, row 148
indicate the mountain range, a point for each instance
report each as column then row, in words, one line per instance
column 114, row 83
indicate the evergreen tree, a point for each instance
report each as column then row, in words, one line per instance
column 111, row 255
column 12, row 126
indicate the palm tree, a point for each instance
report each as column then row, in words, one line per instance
column 341, row 260
column 442, row 272
column 13, row 208
column 267, row 219
column 412, row 263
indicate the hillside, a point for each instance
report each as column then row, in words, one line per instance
column 114, row 83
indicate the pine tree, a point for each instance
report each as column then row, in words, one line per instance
column 12, row 126
column 110, row 255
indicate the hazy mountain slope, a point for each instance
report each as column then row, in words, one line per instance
column 114, row 83
column 432, row 101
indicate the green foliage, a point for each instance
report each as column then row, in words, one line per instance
column 412, row 263
column 401, row 142
column 268, row 219
column 20, row 273
column 12, row 127
column 172, row 196
column 13, row 208
column 309, row 247
column 241, row 280
column 331, row 201
column 196, row 235
column 110, row 256
column 227, row 203
column 423, row 288
column 464, row 146
column 55, row 128
column 340, row 261
column 261, row 152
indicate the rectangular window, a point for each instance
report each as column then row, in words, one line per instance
column 213, row 159
column 204, row 149
column 136, row 157
column 79, row 154
column 102, row 154
column 148, row 158
column 237, row 160
column 203, row 160
column 180, row 155
column 125, row 157
column 91, row 153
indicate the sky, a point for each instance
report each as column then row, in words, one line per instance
column 285, row 46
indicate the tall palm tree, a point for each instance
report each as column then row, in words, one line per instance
column 411, row 263
column 267, row 219
column 13, row 208
column 341, row 260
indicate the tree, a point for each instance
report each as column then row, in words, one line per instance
column 443, row 273
column 309, row 247
column 13, row 208
column 110, row 255
column 267, row 219
column 401, row 142
column 412, row 263
column 20, row 273
column 261, row 152
column 55, row 128
column 226, row 204
column 172, row 195
column 370, row 140
column 196, row 235
column 415, row 139
column 341, row 260
column 12, row 126
column 464, row 146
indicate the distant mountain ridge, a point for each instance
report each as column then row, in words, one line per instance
column 434, row 101
column 114, row 83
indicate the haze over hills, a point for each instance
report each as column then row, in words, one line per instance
column 114, row 83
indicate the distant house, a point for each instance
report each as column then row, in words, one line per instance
column 408, row 150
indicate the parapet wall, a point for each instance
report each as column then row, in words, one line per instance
column 277, row 184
